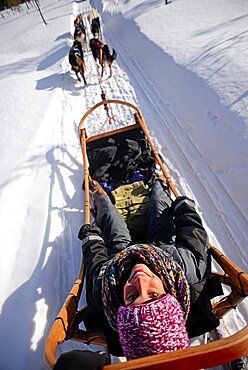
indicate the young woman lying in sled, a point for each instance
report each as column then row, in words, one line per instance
column 156, row 295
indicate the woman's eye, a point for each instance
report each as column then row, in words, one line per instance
column 153, row 294
column 132, row 297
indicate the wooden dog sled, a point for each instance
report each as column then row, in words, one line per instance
column 67, row 324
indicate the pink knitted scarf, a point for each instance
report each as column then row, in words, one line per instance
column 151, row 328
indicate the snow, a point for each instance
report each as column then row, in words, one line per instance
column 185, row 65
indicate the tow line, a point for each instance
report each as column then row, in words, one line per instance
column 106, row 107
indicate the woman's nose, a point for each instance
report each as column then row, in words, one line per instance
column 141, row 286
column 140, row 281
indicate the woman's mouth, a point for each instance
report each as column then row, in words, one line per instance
column 138, row 273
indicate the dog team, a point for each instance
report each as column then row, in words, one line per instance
column 100, row 51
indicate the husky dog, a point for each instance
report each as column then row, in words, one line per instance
column 94, row 21
column 107, row 59
column 102, row 54
column 76, row 60
column 80, row 30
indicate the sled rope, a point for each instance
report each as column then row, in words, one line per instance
column 106, row 107
column 103, row 95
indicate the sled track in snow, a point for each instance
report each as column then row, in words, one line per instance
column 154, row 100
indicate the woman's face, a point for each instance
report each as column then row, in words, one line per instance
column 142, row 286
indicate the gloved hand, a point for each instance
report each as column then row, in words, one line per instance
column 178, row 202
column 87, row 230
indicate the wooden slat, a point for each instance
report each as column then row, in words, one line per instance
column 62, row 322
column 111, row 133
column 207, row 355
column 237, row 277
column 103, row 102
column 86, row 176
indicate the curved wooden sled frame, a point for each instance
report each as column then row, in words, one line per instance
column 66, row 324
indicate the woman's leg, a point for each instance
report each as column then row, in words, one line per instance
column 115, row 232
column 160, row 226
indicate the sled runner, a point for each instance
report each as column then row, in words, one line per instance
column 126, row 178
